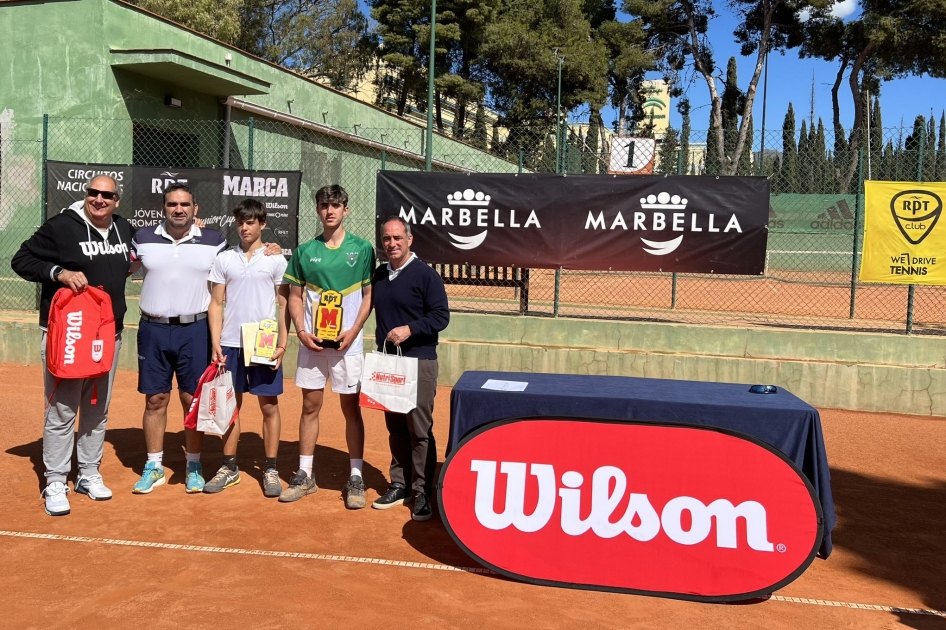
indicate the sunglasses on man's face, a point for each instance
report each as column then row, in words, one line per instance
column 107, row 195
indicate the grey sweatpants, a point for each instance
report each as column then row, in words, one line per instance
column 71, row 397
column 411, row 435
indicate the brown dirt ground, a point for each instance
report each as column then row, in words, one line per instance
column 889, row 480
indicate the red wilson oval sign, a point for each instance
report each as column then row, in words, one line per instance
column 679, row 511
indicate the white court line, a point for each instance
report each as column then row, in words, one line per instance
column 409, row 565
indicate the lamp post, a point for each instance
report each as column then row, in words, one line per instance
column 558, row 116
column 428, row 145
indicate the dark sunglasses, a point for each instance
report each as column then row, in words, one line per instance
column 107, row 195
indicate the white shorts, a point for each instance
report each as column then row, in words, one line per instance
column 313, row 370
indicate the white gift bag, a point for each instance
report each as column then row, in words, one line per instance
column 389, row 382
column 217, row 408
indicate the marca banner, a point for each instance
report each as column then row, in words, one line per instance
column 588, row 222
column 676, row 511
column 903, row 241
column 218, row 191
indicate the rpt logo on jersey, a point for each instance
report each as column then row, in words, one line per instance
column 678, row 511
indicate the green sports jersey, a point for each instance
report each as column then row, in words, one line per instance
column 346, row 269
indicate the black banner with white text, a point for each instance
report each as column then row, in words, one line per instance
column 217, row 192
column 715, row 225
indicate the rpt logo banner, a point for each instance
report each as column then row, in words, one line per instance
column 218, row 191
column 677, row 511
column 904, row 240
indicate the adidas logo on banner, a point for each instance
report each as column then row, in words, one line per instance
column 664, row 201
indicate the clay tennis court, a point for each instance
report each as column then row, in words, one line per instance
column 786, row 298
column 172, row 560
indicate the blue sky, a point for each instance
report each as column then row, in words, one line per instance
column 790, row 80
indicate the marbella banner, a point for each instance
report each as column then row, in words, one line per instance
column 689, row 512
column 217, row 191
column 903, row 241
column 587, row 222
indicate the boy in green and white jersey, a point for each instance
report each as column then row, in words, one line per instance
column 342, row 262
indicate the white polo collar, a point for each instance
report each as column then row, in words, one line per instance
column 394, row 273
column 193, row 233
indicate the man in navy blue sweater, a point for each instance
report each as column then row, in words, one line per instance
column 410, row 305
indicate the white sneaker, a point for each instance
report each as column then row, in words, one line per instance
column 56, row 502
column 92, row 485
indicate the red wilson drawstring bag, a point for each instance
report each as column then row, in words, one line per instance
column 80, row 338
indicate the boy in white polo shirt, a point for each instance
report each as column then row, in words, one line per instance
column 338, row 261
column 253, row 288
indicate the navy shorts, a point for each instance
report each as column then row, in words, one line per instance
column 259, row 380
column 165, row 350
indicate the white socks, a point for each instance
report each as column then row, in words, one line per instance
column 192, row 457
column 305, row 463
column 156, row 458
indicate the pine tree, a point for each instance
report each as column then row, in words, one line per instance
column 788, row 173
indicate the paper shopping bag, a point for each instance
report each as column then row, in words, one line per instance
column 217, row 408
column 190, row 420
column 389, row 382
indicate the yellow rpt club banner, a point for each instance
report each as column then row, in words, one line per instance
column 903, row 239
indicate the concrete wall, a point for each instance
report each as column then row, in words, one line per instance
column 859, row 371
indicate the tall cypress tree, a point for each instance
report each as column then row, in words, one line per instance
column 731, row 105
column 804, row 160
column 711, row 157
column 745, row 160
column 888, row 167
column 788, row 173
column 667, row 158
column 941, row 150
column 821, row 175
column 592, row 142
column 910, row 156
column 479, row 139
column 876, row 140
column 684, row 108
column 929, row 156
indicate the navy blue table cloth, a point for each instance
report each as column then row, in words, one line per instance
column 781, row 419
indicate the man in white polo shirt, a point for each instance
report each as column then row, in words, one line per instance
column 173, row 337
column 252, row 286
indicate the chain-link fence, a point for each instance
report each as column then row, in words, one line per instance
column 815, row 217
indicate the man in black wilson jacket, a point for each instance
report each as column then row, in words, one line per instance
column 86, row 244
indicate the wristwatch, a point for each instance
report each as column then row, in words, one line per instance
column 57, row 270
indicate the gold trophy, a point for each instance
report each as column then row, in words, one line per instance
column 328, row 318
column 264, row 347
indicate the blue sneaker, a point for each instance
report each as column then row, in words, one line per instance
column 151, row 477
column 195, row 478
